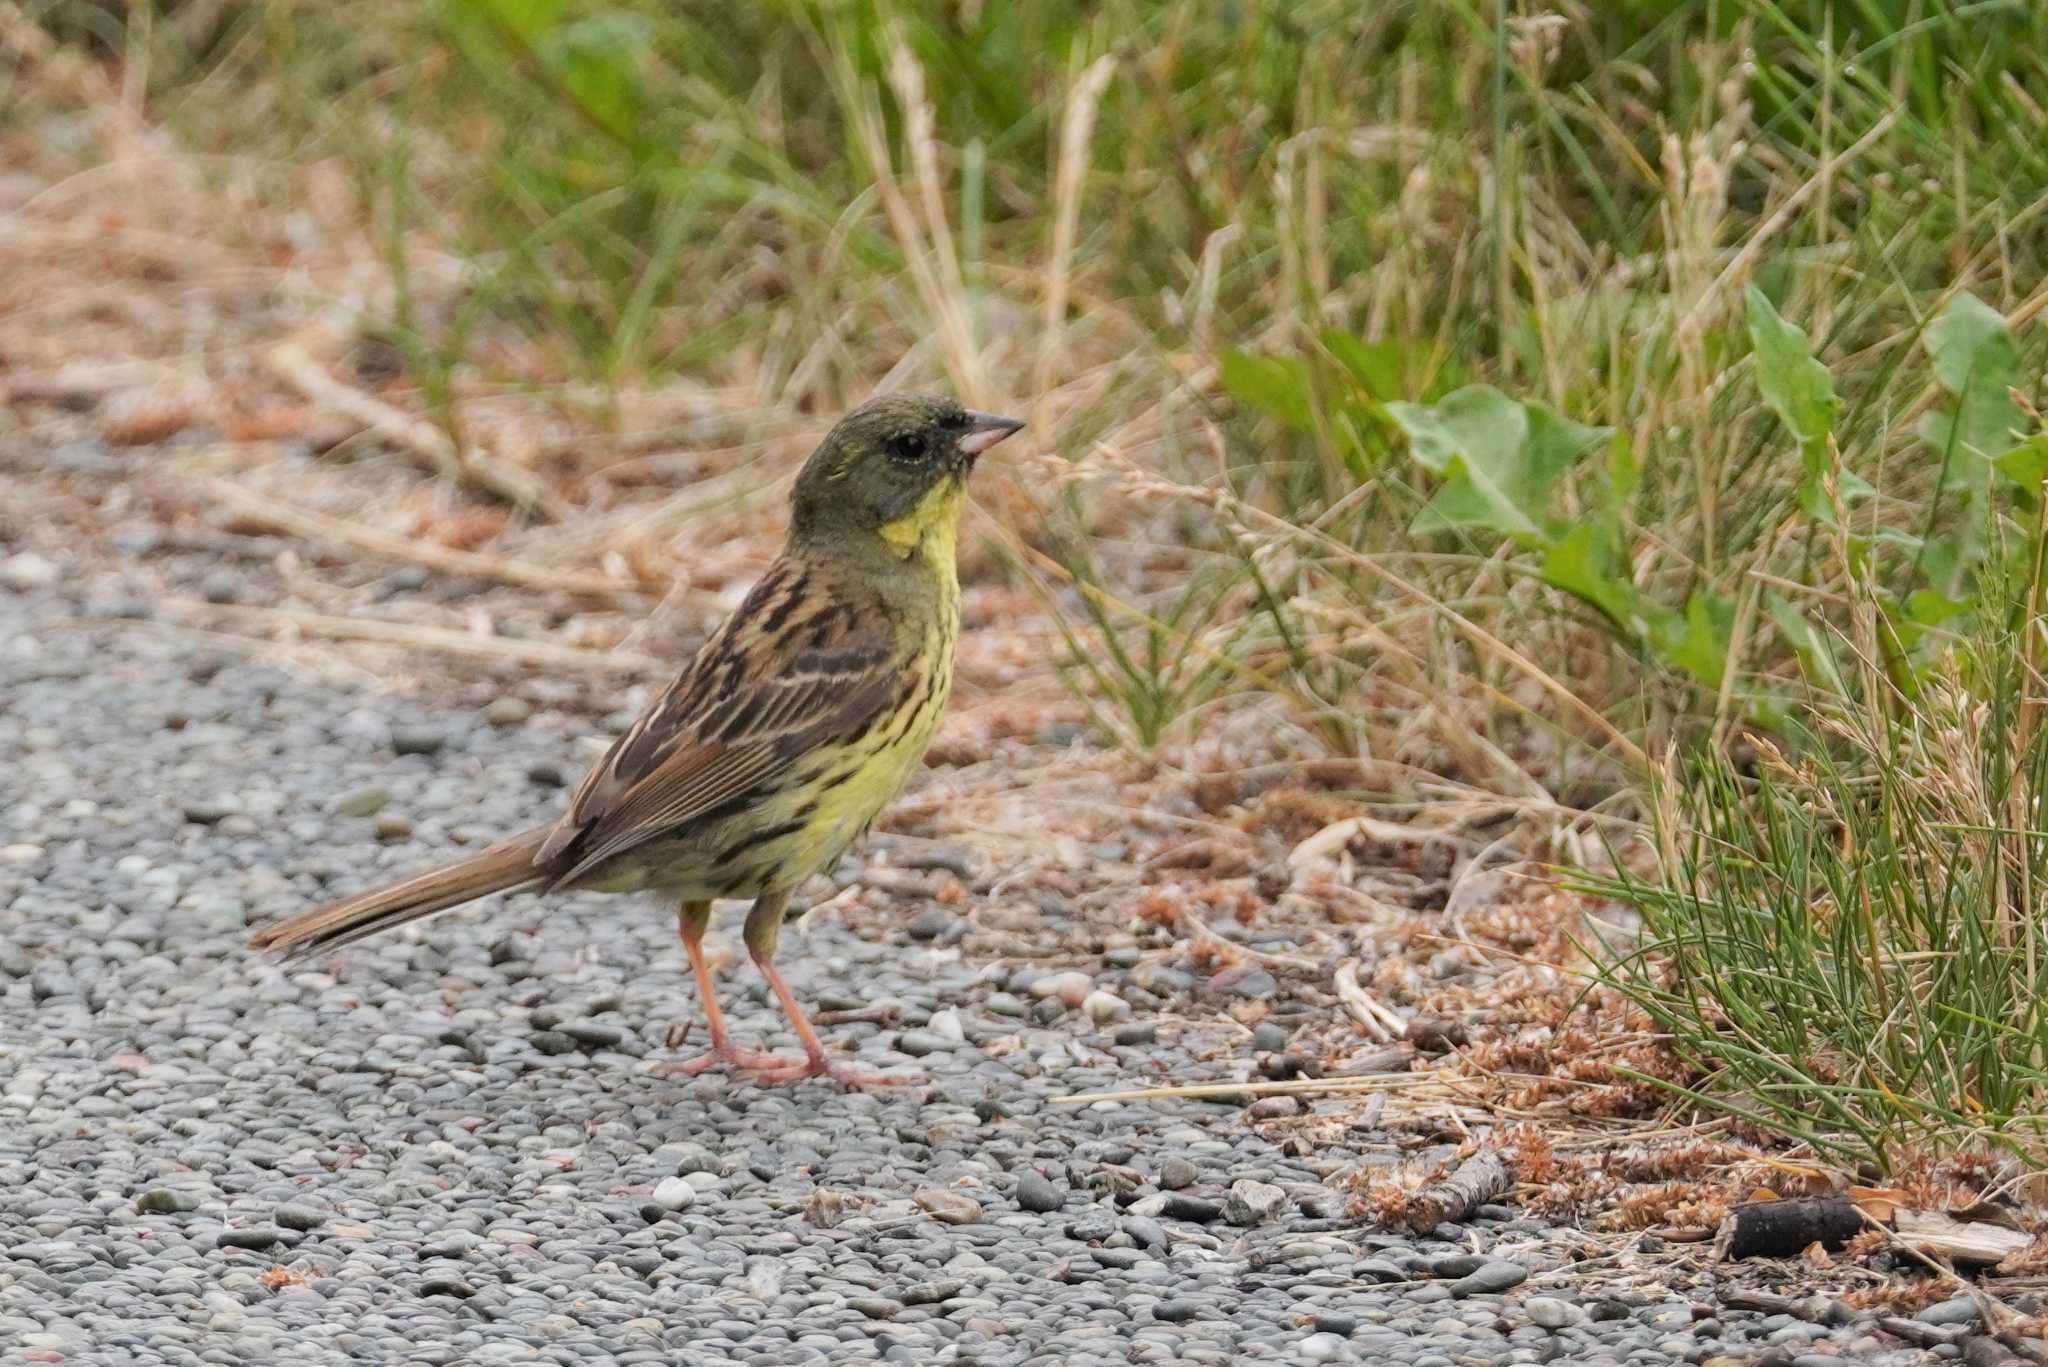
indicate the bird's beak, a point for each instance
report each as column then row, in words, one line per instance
column 983, row 431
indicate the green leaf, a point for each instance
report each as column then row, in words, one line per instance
column 1586, row 565
column 1275, row 385
column 1814, row 647
column 1498, row 458
column 1976, row 362
column 1380, row 368
column 1926, row 608
column 1796, row 386
column 2026, row 464
column 1698, row 642
column 597, row 62
column 525, row 19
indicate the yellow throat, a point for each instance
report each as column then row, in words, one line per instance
column 931, row 527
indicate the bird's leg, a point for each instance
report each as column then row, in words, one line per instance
column 692, row 919
column 764, row 926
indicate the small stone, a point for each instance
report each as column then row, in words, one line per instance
column 457, row 1244
column 507, row 710
column 221, row 586
column 256, row 1236
column 167, row 1201
column 1269, row 1038
column 935, row 923
column 553, row 1042
column 393, row 826
column 947, row 1026
column 1252, row 1203
column 447, row 1286
column 876, row 1307
column 207, row 810
column 1004, row 1004
column 1105, row 1007
column 1177, row 1173
column 1548, row 1312
column 1176, row 1312
column 931, row 1293
column 673, row 1193
column 1272, row 1108
column 921, row 1043
column 1145, row 1232
column 1255, row 985
column 1039, row 1193
column 593, row 1034
column 1181, row 1206
column 361, row 801
column 417, row 740
column 1072, row 988
column 299, row 1217
column 20, row 854
column 1958, row 1310
column 27, row 571
column 1142, row 1032
column 1491, row 1279
column 1322, row 1348
column 948, row 1207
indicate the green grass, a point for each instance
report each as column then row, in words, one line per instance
column 1558, row 396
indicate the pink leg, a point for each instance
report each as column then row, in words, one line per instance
column 764, row 924
column 691, row 919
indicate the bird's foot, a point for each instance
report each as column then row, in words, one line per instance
column 731, row 1057
column 817, row 1065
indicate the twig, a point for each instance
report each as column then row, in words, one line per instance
column 1321, row 1086
column 1479, row 1179
column 254, row 507
column 541, row 653
column 1379, row 1021
column 293, row 364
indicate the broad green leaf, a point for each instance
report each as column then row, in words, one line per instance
column 597, row 62
column 1976, row 362
column 1796, row 386
column 1624, row 472
column 1275, row 385
column 1585, row 564
column 1698, row 641
column 1380, row 368
column 1498, row 458
column 1813, row 645
column 525, row 19
column 1926, row 608
column 2026, row 464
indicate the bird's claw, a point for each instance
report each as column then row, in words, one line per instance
column 730, row 1056
column 817, row 1065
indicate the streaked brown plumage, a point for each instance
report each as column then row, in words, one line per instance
column 777, row 745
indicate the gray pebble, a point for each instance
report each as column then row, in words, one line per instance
column 1037, row 1193
column 1490, row 1279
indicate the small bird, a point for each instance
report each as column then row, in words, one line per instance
column 775, row 748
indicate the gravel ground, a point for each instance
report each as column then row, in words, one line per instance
column 450, row 1147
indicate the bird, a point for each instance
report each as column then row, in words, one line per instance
column 776, row 746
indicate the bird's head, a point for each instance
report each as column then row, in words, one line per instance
column 894, row 469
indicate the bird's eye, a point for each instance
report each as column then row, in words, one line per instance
column 908, row 446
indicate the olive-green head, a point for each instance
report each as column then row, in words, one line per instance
column 881, row 463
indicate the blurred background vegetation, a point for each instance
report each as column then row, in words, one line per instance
column 1622, row 410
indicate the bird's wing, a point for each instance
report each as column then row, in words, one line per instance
column 809, row 658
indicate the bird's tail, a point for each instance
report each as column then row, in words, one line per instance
column 508, row 864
